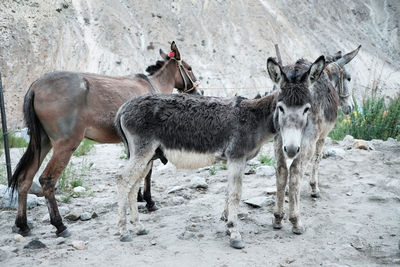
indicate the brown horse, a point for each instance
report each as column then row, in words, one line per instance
column 61, row 108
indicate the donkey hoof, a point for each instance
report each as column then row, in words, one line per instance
column 315, row 194
column 236, row 243
column 23, row 232
column 125, row 238
column 153, row 207
column 142, row 232
column 276, row 225
column 224, row 217
column 298, row 230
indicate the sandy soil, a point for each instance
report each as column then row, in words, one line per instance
column 354, row 223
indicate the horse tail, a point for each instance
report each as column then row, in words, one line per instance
column 35, row 130
column 120, row 131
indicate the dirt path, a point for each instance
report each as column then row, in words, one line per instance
column 356, row 222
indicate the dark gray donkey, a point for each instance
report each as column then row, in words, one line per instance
column 293, row 150
column 196, row 131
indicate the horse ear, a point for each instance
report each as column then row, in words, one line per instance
column 315, row 70
column 163, row 55
column 174, row 48
column 275, row 72
column 348, row 57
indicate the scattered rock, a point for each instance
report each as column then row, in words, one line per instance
column 94, row 215
column 348, row 194
column 198, row 182
column 271, row 190
column 85, row 216
column 7, row 202
column 79, row 189
column 35, row 244
column 19, row 238
column 186, row 235
column 36, row 188
column 78, row 244
column 59, row 240
column 174, row 189
column 334, row 152
column 73, row 216
column 265, row 171
column 377, row 198
column 63, row 210
column 258, row 202
column 153, row 242
column 46, row 218
column 357, row 243
column 249, row 170
column 361, row 144
column 178, row 200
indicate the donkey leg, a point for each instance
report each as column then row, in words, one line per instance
column 314, row 177
column 236, row 169
column 150, row 204
column 62, row 152
column 294, row 197
column 132, row 195
column 281, row 181
column 128, row 186
column 25, row 183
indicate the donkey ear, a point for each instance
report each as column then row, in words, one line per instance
column 174, row 48
column 275, row 72
column 315, row 70
column 348, row 57
column 337, row 55
column 163, row 55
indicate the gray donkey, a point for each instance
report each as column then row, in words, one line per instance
column 293, row 150
column 196, row 131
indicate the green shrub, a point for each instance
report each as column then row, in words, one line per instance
column 266, row 160
column 374, row 120
column 13, row 141
column 85, row 146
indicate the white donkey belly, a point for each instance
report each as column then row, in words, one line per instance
column 188, row 159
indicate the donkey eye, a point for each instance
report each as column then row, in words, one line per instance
column 306, row 110
column 281, row 109
column 190, row 69
column 349, row 79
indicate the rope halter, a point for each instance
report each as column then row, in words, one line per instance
column 182, row 71
column 341, row 81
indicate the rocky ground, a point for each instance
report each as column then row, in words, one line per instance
column 354, row 223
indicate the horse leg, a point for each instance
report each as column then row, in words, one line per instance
column 281, row 181
column 150, row 204
column 236, row 169
column 314, row 177
column 62, row 152
column 25, row 183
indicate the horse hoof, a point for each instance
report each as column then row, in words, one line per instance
column 125, row 238
column 315, row 194
column 25, row 232
column 64, row 234
column 142, row 232
column 298, row 230
column 236, row 243
column 154, row 207
column 224, row 217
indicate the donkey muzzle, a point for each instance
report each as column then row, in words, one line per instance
column 291, row 151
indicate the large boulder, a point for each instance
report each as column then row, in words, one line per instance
column 6, row 201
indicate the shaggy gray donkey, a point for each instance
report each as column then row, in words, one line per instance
column 196, row 131
column 293, row 150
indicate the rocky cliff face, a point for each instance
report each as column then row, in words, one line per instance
column 226, row 42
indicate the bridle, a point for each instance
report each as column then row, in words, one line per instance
column 182, row 71
column 341, row 81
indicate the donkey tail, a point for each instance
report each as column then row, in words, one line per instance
column 120, row 131
column 35, row 130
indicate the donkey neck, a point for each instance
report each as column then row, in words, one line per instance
column 264, row 109
column 164, row 79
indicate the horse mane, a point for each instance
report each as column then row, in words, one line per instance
column 154, row 68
